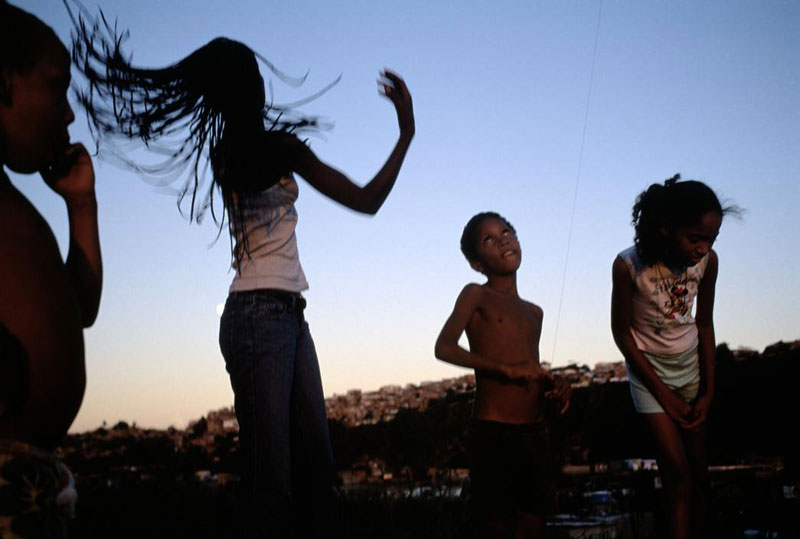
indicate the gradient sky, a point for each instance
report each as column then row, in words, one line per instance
column 707, row 89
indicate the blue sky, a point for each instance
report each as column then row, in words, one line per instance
column 711, row 90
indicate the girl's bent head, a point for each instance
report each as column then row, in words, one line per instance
column 664, row 212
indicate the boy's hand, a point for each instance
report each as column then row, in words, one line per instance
column 699, row 412
column 561, row 392
column 72, row 175
column 527, row 372
column 395, row 89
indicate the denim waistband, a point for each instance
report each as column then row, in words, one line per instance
column 293, row 301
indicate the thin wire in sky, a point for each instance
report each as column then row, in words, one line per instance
column 577, row 181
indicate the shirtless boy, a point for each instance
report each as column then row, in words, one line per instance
column 510, row 464
column 44, row 302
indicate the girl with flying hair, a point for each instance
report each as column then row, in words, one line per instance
column 210, row 108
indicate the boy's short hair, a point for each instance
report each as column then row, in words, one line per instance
column 469, row 239
column 22, row 38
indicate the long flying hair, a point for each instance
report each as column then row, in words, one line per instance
column 199, row 113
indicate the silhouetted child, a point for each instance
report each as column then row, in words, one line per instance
column 211, row 108
column 669, row 352
column 44, row 303
column 511, row 473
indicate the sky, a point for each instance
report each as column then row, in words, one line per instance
column 708, row 89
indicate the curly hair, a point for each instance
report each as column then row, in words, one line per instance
column 469, row 237
column 208, row 110
column 673, row 204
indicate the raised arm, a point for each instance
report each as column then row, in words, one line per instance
column 706, row 339
column 73, row 180
column 447, row 347
column 621, row 307
column 337, row 186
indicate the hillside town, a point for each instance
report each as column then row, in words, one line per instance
column 357, row 407
column 408, row 443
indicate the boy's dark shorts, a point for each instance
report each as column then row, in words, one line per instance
column 511, row 467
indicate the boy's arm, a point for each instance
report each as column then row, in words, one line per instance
column 75, row 184
column 621, row 307
column 447, row 347
column 706, row 345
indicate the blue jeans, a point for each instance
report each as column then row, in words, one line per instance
column 288, row 472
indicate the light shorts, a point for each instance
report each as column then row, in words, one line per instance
column 680, row 372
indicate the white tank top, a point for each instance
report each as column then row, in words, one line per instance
column 269, row 219
column 661, row 319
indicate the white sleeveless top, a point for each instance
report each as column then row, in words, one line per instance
column 269, row 219
column 661, row 318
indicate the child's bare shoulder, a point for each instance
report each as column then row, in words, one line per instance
column 472, row 293
column 32, row 273
column 534, row 309
column 22, row 227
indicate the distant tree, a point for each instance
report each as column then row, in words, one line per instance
column 200, row 427
column 724, row 354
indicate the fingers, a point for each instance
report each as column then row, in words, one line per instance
column 62, row 163
column 393, row 86
column 699, row 420
column 698, row 417
column 565, row 407
column 694, row 424
column 683, row 420
column 396, row 80
column 75, row 148
column 680, row 412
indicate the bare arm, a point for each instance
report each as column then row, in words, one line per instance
column 369, row 198
column 75, row 184
column 705, row 324
column 706, row 345
column 621, row 307
column 447, row 347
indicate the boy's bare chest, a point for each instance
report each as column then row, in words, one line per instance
column 508, row 321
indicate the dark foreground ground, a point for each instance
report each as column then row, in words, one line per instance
column 140, row 483
column 744, row 504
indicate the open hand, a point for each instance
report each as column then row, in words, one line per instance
column 394, row 87
column 72, row 175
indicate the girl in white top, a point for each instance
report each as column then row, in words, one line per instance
column 213, row 101
column 669, row 351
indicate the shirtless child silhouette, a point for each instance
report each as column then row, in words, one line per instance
column 510, row 464
column 44, row 302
